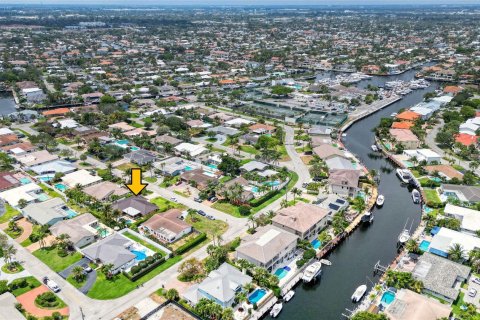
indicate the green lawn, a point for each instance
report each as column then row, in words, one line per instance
column 283, row 153
column 127, row 166
column 227, row 207
column 143, row 243
column 9, row 213
column 168, row 183
column 164, row 204
column 249, row 149
column 74, row 282
column 27, row 242
column 50, row 192
column 32, row 284
column 150, row 179
column 206, row 225
column 104, row 289
column 51, row 258
column 14, row 234
column 431, row 195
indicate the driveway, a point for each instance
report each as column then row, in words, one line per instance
column 27, row 229
column 473, row 300
column 91, row 277
column 28, row 302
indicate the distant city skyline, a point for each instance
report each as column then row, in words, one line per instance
column 245, row 2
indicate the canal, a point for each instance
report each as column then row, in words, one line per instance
column 354, row 259
column 7, row 103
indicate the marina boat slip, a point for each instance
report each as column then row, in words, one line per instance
column 312, row 271
column 405, row 234
column 276, row 310
column 359, row 292
column 416, row 196
column 380, row 200
column 374, row 148
column 404, row 175
column 367, row 218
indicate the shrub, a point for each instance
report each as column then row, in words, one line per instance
column 244, row 210
column 62, row 253
column 135, row 269
column 259, row 201
column 3, row 286
column 150, row 259
column 47, row 300
column 191, row 243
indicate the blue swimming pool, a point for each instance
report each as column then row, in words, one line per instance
column 140, row 255
column 281, row 273
column 427, row 209
column 388, row 297
column 188, row 168
column 257, row 295
column 45, row 178
column 25, row 180
column 134, row 148
column 61, row 187
column 71, row 213
column 316, row 244
column 122, row 142
column 42, row 197
column 272, row 183
column 255, row 189
column 212, row 166
column 424, row 245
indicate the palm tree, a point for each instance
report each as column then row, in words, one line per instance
column 296, row 192
column 107, row 270
column 456, row 252
column 284, row 203
column 8, row 254
column 77, row 273
column 172, row 294
column 412, row 246
column 41, row 234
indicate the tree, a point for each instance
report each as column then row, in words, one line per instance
column 191, row 269
column 8, row 254
column 281, row 90
column 78, row 274
column 412, row 246
column 172, row 294
column 107, row 270
column 296, row 192
column 107, row 99
column 456, row 252
column 22, row 203
column 229, row 166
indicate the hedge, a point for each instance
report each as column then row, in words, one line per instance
column 185, row 247
column 145, row 270
column 259, row 201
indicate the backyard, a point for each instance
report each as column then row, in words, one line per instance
column 50, row 257
column 9, row 213
column 431, row 196
column 143, row 243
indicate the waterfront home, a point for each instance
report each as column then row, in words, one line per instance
column 332, row 203
column 402, row 125
column 140, row 157
column 81, row 177
column 320, row 131
column 441, row 277
column 47, row 212
column 341, row 163
column 405, row 137
column 58, row 112
column 28, row 192
column 112, row 250
column 253, row 166
column 134, row 206
column 8, row 181
column 220, row 286
column 470, row 126
column 82, row 229
column 193, row 150
column 409, row 305
column 469, row 218
column 408, row 116
column 268, row 247
column 461, row 192
column 303, row 219
column 445, row 238
column 105, row 190
column 446, row 171
column 167, row 226
column 423, row 155
column 327, row 151
column 344, row 182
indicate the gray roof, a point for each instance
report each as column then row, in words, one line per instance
column 168, row 139
column 139, row 203
column 440, row 275
column 224, row 130
column 75, row 227
column 54, row 167
column 471, row 193
column 339, row 163
column 254, row 165
column 112, row 250
column 141, row 156
column 7, row 307
column 44, row 212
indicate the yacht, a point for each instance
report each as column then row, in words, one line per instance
column 404, row 236
column 277, row 307
column 380, row 200
column 326, row 262
column 312, row 271
column 367, row 217
column 416, row 196
column 359, row 292
column 374, row 148
column 288, row 296
column 404, row 175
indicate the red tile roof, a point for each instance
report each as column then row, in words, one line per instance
column 408, row 116
column 466, row 139
column 402, row 125
column 56, row 112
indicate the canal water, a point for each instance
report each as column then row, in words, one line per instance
column 353, row 260
column 7, row 103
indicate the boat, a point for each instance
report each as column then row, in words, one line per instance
column 394, row 114
column 312, row 271
column 277, row 307
column 288, row 296
column 404, row 175
column 416, row 196
column 374, row 148
column 404, row 236
column 380, row 200
column 359, row 292
column 326, row 262
column 367, row 217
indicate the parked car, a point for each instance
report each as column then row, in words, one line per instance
column 16, row 218
column 212, row 199
column 202, row 213
column 87, row 268
column 209, row 216
column 173, row 199
column 52, row 285
column 472, row 292
column 476, row 280
column 197, row 199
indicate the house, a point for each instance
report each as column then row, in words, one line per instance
column 408, row 116
column 56, row 166
column 461, row 192
column 446, row 238
column 327, row 151
column 246, row 194
column 137, row 132
column 34, row 95
column 175, row 165
column 445, row 171
column 224, row 131
column 269, row 247
column 220, row 286
column 466, row 139
column 425, row 113
column 67, row 124
column 134, row 206
column 28, row 192
column 140, row 157
column 469, row 218
column 320, row 131
column 8, row 308
column 423, row 155
column 167, row 139
column 402, row 125
column 237, row 122
column 469, row 128
column 59, row 112
column 114, row 250
column 338, row 162
column 199, row 177
column 19, row 149
column 81, row 229
column 221, row 116
column 81, row 177
column 441, row 277
column 303, row 219
column 405, row 137
column 250, row 139
column 8, row 139
column 261, row 128
column 332, row 203
column 47, row 212
column 193, row 150
column 167, row 226
column 122, row 126
column 344, row 182
column 36, row 158
column 8, row 181
column 409, row 305
column 254, row 166
column 105, row 190
column 197, row 123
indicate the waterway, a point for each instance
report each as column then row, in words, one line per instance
column 354, row 259
column 7, row 103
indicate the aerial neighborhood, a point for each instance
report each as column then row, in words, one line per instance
column 215, row 163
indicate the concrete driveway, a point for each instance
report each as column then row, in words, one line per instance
column 473, row 300
column 91, row 277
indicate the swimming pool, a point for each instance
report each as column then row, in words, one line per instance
column 61, row 187
column 45, row 178
column 272, row 183
column 25, row 180
column 450, row 194
column 427, row 209
column 140, row 255
column 122, row 142
column 424, row 245
column 255, row 189
column 103, row 232
column 70, row 213
column 257, row 295
column 212, row 166
column 316, row 244
column 388, row 297
column 281, row 273
column 188, row 168
column 42, row 197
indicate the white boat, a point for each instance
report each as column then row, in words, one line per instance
column 276, row 310
column 312, row 271
column 380, row 200
column 326, row 262
column 404, row 236
column 359, row 292
column 288, row 296
column 394, row 114
column 374, row 148
column 367, row 217
column 416, row 196
column 404, row 175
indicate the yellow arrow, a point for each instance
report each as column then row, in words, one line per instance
column 136, row 185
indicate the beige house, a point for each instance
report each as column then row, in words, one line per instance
column 303, row 219
column 344, row 182
column 105, row 190
column 409, row 305
column 167, row 226
column 405, row 137
column 81, row 229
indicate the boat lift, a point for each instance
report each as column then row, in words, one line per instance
column 379, row 269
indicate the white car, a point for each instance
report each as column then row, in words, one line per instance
column 472, row 292
column 476, row 280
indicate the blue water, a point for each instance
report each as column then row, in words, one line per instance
column 134, row 148
column 140, row 256
column 42, row 197
column 255, row 189
column 436, row 179
column 449, row 194
column 188, row 168
column 71, row 213
column 122, row 142
column 316, row 244
column 427, row 209
column 281, row 273
column 388, row 297
column 25, row 180
column 212, row 166
column 45, row 178
column 257, row 295
column 272, row 183
column 424, row 245
column 61, row 187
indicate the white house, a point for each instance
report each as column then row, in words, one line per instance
column 469, row 218
column 423, row 155
column 191, row 149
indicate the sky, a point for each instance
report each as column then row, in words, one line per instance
column 243, row 2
